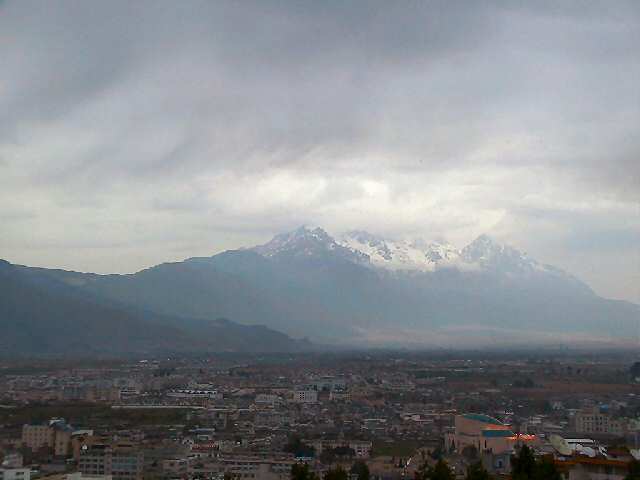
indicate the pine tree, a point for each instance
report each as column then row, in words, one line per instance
column 300, row 471
column 634, row 471
column 360, row 468
column 523, row 464
column 440, row 471
column 338, row 473
column 477, row 472
column 546, row 470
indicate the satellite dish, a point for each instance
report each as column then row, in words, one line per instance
column 560, row 444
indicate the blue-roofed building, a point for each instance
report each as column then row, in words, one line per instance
column 479, row 417
column 497, row 433
column 482, row 432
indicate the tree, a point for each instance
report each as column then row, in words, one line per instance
column 440, row 471
column 524, row 383
column 476, row 471
column 470, row 452
column 546, row 470
column 338, row 473
column 634, row 470
column 300, row 471
column 327, row 456
column 436, row 453
column 344, row 451
column 523, row 464
column 299, row 448
column 360, row 468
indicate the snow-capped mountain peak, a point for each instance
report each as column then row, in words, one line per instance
column 414, row 254
column 364, row 248
column 307, row 242
column 487, row 253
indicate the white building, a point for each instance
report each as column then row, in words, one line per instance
column 330, row 383
column 82, row 476
column 15, row 474
column 267, row 399
column 305, row 396
column 196, row 394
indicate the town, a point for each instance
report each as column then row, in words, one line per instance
column 379, row 415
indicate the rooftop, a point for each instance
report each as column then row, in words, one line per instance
column 478, row 417
column 497, row 433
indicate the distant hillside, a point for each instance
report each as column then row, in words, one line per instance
column 366, row 290
column 41, row 315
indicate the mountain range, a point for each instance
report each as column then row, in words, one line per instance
column 352, row 289
column 42, row 314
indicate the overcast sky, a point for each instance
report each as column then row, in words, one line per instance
column 133, row 133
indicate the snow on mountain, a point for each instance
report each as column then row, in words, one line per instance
column 488, row 254
column 483, row 254
column 400, row 254
column 308, row 242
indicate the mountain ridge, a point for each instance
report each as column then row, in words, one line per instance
column 49, row 313
column 306, row 283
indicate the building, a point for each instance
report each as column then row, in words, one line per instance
column 484, row 433
column 55, row 435
column 329, row 383
column 585, row 468
column 304, row 395
column 15, row 474
column 175, row 467
column 123, row 461
column 37, row 437
column 196, row 394
column 80, row 476
column 241, row 467
column 598, row 420
column 12, row 460
column 258, row 468
column 361, row 448
column 340, row 395
column 267, row 399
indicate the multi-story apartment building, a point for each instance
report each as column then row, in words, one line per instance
column 305, row 395
column 598, row 421
column 123, row 461
column 361, row 448
column 36, row 437
column 245, row 467
column 55, row 435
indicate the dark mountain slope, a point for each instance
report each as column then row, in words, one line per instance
column 46, row 312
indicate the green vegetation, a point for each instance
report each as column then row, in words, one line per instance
column 91, row 414
column 300, row 471
column 300, row 449
column 400, row 448
column 634, row 470
column 524, row 466
column 440, row 471
column 524, row 383
column 360, row 469
column 337, row 473
column 477, row 472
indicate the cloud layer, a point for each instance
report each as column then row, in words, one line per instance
column 134, row 133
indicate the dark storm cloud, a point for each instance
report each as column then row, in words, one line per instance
column 195, row 126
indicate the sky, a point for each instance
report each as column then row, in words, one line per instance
column 133, row 133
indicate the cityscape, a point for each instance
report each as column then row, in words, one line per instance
column 256, row 417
